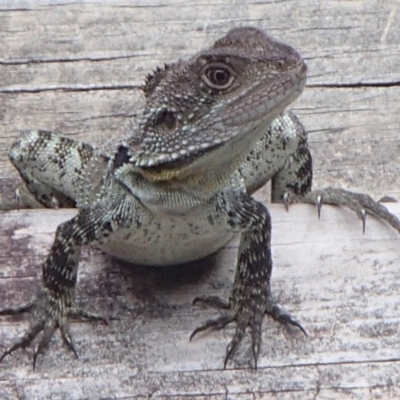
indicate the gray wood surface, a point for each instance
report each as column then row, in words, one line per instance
column 76, row 67
column 342, row 285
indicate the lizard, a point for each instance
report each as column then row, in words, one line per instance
column 179, row 185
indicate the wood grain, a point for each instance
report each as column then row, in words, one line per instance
column 342, row 285
column 76, row 68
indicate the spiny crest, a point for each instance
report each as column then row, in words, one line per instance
column 152, row 79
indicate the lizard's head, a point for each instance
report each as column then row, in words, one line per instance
column 211, row 109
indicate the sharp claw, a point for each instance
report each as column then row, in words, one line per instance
column 34, row 361
column 296, row 324
column 192, row 335
column 54, row 203
column 218, row 323
column 284, row 319
column 68, row 339
column 18, row 198
column 319, row 205
column 195, row 300
column 256, row 350
column 364, row 219
column 213, row 301
column 48, row 332
column 38, row 348
column 18, row 310
column 289, row 321
column 229, row 351
column 196, row 331
column 70, row 344
column 88, row 315
column 234, row 344
column 226, row 360
column 6, row 353
column 286, row 200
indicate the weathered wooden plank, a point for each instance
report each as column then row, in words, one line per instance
column 342, row 285
column 75, row 68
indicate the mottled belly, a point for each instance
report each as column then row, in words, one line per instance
column 168, row 240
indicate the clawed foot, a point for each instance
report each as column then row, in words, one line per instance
column 362, row 204
column 50, row 313
column 247, row 312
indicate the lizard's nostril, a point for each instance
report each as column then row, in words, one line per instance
column 166, row 118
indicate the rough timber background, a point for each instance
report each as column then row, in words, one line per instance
column 75, row 67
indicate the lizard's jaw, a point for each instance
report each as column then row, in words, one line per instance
column 174, row 170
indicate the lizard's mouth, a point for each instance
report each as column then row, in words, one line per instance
column 175, row 169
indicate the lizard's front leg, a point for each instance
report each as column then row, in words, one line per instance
column 283, row 156
column 251, row 294
column 361, row 203
column 55, row 300
column 57, row 171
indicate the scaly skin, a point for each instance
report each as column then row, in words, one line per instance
column 213, row 130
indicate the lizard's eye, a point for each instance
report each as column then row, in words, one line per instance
column 218, row 76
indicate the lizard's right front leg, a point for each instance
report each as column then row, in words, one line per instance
column 251, row 295
column 57, row 171
column 55, row 300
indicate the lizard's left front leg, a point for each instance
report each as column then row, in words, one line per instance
column 57, row 171
column 251, row 294
column 55, row 301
